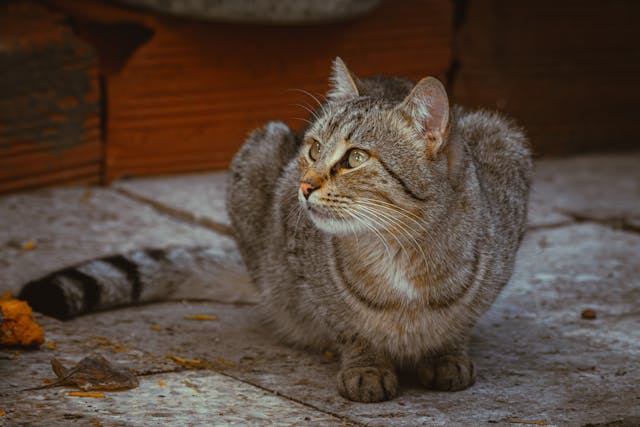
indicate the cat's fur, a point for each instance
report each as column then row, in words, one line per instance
column 391, row 262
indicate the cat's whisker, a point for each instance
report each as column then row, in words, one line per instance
column 298, row 210
column 304, row 120
column 308, row 109
column 355, row 234
column 409, row 233
column 362, row 219
column 406, row 231
column 389, row 224
column 397, row 209
column 309, row 94
column 360, row 216
column 292, row 211
column 340, row 211
column 400, row 215
column 391, row 205
column 321, row 96
column 320, row 104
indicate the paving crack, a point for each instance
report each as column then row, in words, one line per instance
column 211, row 366
column 550, row 226
column 178, row 214
column 616, row 223
column 293, row 399
column 177, row 369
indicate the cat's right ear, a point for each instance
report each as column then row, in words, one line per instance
column 343, row 83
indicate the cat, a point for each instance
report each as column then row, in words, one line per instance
column 384, row 230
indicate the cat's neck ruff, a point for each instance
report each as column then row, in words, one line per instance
column 392, row 260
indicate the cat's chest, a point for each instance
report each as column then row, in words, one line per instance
column 384, row 275
column 395, row 275
column 380, row 277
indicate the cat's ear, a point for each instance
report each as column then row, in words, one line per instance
column 343, row 83
column 427, row 107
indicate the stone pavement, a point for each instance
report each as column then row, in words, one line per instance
column 539, row 362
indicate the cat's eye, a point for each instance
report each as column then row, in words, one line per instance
column 356, row 158
column 314, row 151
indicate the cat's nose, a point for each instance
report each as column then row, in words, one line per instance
column 307, row 188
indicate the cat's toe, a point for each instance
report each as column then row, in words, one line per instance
column 450, row 372
column 367, row 384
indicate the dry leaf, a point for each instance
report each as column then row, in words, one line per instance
column 191, row 385
column 93, row 394
column 537, row 423
column 190, row 363
column 92, row 373
column 225, row 362
column 201, row 317
column 589, row 314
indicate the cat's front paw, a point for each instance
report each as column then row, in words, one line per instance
column 367, row 384
column 448, row 372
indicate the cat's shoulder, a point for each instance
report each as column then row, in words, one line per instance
column 492, row 137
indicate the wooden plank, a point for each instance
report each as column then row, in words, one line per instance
column 185, row 98
column 567, row 71
column 50, row 103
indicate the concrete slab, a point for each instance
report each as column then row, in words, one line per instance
column 538, row 360
column 70, row 225
column 596, row 187
column 203, row 195
column 173, row 399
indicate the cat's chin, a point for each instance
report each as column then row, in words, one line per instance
column 331, row 225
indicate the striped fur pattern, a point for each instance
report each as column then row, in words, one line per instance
column 135, row 277
column 390, row 262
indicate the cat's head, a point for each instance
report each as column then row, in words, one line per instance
column 376, row 155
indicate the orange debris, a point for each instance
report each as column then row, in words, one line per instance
column 201, row 317
column 29, row 246
column 19, row 326
column 92, row 394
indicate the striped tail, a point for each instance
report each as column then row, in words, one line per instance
column 140, row 276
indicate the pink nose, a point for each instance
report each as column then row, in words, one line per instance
column 307, row 188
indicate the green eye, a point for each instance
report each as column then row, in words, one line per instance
column 357, row 157
column 314, row 151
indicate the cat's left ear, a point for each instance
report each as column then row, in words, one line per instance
column 343, row 82
column 427, row 107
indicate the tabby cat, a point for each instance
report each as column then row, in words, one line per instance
column 385, row 230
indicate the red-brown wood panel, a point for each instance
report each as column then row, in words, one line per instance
column 49, row 103
column 184, row 94
column 566, row 70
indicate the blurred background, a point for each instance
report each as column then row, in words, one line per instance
column 92, row 91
